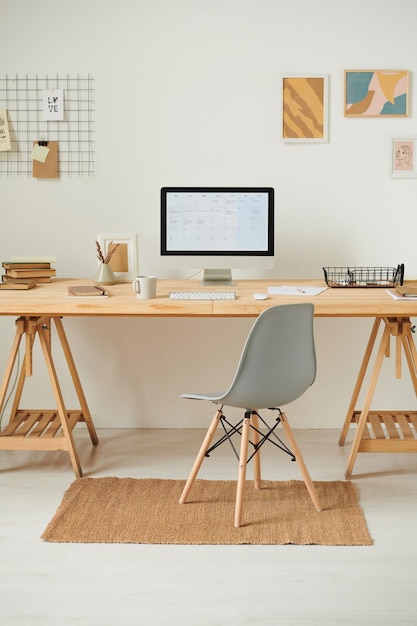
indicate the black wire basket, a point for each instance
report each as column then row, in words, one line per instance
column 364, row 276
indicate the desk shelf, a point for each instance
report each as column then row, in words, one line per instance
column 388, row 431
column 38, row 430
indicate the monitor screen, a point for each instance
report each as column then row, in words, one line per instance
column 223, row 228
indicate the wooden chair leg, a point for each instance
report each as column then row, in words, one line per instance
column 243, row 461
column 303, row 468
column 200, row 456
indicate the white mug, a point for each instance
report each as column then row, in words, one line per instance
column 145, row 287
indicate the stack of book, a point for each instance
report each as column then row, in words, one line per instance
column 25, row 274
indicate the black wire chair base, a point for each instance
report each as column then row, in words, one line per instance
column 230, row 430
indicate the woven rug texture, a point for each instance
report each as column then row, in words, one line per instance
column 129, row 510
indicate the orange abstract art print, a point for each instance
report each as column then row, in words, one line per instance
column 304, row 108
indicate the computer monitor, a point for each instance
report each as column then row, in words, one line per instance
column 218, row 229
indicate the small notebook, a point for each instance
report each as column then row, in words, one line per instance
column 86, row 290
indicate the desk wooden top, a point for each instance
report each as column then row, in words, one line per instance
column 52, row 299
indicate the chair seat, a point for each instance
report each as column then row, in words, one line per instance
column 211, row 397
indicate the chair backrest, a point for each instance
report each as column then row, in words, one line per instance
column 278, row 362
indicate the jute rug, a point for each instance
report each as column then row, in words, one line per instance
column 128, row 510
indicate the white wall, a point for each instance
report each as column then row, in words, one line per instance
column 187, row 93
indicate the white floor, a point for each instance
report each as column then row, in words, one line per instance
column 105, row 585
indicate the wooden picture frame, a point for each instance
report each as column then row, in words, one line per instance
column 376, row 93
column 304, row 108
column 402, row 156
column 124, row 262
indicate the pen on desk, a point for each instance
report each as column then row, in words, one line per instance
column 300, row 290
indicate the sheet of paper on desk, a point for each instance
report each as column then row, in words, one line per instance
column 396, row 296
column 291, row 290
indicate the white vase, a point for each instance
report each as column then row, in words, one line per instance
column 104, row 275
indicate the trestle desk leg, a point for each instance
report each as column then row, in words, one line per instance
column 367, row 403
column 76, row 380
column 43, row 332
column 359, row 382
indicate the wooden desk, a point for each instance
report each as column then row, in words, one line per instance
column 41, row 308
column 51, row 299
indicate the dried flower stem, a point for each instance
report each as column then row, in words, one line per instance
column 99, row 253
column 111, row 249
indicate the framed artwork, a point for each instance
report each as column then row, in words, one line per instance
column 124, row 261
column 304, row 108
column 402, row 161
column 376, row 93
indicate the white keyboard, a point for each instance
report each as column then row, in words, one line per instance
column 202, row 295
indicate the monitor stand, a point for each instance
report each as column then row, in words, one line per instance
column 217, row 278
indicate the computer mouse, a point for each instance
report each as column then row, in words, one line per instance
column 260, row 296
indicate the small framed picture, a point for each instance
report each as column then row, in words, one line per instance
column 402, row 161
column 123, row 262
column 376, row 93
column 304, row 108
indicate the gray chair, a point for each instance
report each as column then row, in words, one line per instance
column 277, row 365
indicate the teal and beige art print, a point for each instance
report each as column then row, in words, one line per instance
column 376, row 93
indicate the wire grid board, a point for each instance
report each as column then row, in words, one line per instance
column 22, row 97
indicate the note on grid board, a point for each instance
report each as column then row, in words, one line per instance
column 48, row 168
